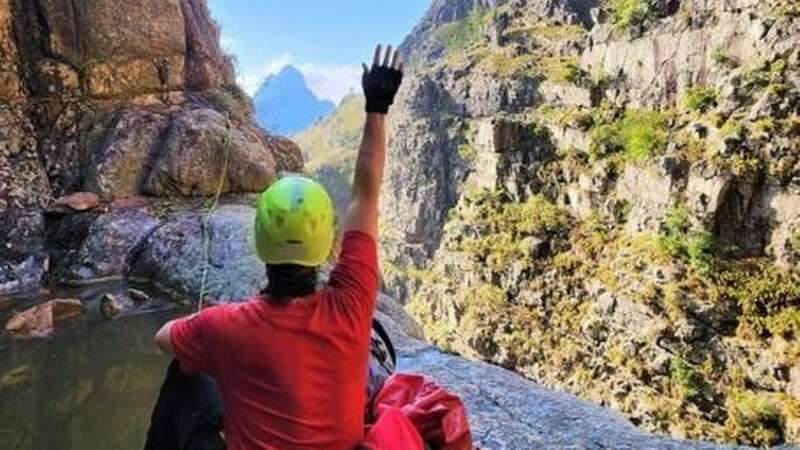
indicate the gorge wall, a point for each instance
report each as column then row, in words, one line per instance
column 120, row 100
column 605, row 197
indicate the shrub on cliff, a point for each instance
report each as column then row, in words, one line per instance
column 753, row 419
column 639, row 135
column 684, row 378
column 763, row 293
column 504, row 229
column 701, row 98
column 463, row 33
column 630, row 13
column 680, row 241
column 794, row 243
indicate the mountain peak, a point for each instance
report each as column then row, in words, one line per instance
column 289, row 74
column 286, row 105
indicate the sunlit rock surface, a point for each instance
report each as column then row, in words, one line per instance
column 117, row 99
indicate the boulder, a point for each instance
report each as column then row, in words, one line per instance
column 111, row 306
column 124, row 151
column 73, row 203
column 40, row 321
column 174, row 258
column 203, row 151
column 91, row 247
column 23, row 261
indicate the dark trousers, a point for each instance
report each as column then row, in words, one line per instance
column 188, row 414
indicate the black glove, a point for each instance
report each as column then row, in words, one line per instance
column 381, row 83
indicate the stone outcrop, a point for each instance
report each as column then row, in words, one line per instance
column 605, row 200
column 41, row 320
column 118, row 100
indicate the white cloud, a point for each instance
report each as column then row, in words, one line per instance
column 250, row 82
column 331, row 82
column 327, row 81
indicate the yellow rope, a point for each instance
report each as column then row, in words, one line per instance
column 214, row 202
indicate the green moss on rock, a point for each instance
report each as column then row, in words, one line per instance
column 701, row 98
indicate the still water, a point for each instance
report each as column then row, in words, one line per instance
column 91, row 386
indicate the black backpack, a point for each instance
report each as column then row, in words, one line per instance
column 382, row 362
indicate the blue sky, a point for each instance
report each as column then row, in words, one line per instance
column 325, row 39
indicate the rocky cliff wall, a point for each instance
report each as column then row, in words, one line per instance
column 604, row 197
column 118, row 99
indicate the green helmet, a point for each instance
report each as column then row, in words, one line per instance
column 294, row 223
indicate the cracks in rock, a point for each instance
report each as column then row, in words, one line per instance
column 133, row 255
column 493, row 400
column 157, row 150
column 418, row 352
column 78, row 35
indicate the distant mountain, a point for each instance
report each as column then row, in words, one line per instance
column 285, row 105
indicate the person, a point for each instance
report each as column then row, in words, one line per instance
column 291, row 364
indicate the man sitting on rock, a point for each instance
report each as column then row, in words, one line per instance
column 291, row 364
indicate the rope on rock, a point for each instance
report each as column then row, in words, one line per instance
column 212, row 206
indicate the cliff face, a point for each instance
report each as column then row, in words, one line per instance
column 605, row 197
column 330, row 148
column 119, row 99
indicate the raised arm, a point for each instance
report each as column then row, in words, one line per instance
column 380, row 83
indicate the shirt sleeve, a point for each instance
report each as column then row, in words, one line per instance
column 190, row 338
column 355, row 277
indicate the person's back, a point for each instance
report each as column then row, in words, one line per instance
column 292, row 364
column 291, row 375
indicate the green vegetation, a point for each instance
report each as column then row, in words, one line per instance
column 684, row 378
column 640, row 135
column 467, row 152
column 227, row 99
column 580, row 118
column 606, row 140
column 753, row 419
column 761, row 291
column 701, row 98
column 794, row 242
column 720, row 56
column 504, row 64
column 462, row 34
column 506, row 226
column 785, row 323
column 558, row 32
column 644, row 134
column 562, row 70
column 574, row 74
column 764, row 73
column 744, row 166
column 626, row 14
column 732, row 128
column 678, row 240
column 765, row 126
column 787, row 11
